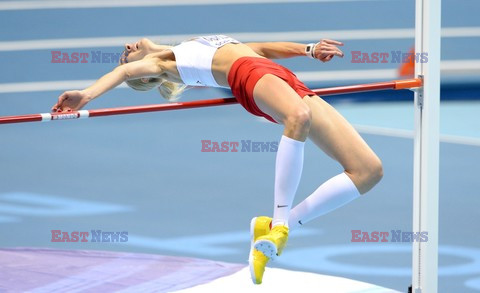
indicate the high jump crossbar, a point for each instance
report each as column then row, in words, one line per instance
column 388, row 85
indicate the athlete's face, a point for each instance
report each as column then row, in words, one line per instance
column 136, row 51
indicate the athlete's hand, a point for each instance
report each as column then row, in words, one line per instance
column 71, row 101
column 326, row 49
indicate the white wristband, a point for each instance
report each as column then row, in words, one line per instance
column 310, row 50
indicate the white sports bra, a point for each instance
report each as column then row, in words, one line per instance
column 194, row 59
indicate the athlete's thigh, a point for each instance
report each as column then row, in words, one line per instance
column 276, row 98
column 337, row 138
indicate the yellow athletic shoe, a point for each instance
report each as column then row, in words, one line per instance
column 273, row 243
column 257, row 262
column 259, row 226
column 265, row 248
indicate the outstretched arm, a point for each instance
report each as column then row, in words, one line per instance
column 75, row 100
column 324, row 50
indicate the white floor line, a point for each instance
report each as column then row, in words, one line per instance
column 336, row 75
column 460, row 67
column 384, row 131
column 293, row 36
column 402, row 133
column 393, row 132
column 451, row 67
column 62, row 4
column 45, row 86
column 460, row 140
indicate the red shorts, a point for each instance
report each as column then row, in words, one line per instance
column 245, row 73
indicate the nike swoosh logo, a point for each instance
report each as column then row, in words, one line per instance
column 284, row 206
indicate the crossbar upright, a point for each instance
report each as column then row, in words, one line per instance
column 426, row 147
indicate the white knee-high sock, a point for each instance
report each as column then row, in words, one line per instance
column 288, row 170
column 331, row 195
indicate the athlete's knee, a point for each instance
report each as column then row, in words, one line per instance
column 375, row 171
column 370, row 173
column 299, row 118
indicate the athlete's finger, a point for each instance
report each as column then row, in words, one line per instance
column 332, row 42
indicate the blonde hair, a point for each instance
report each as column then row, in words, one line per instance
column 171, row 91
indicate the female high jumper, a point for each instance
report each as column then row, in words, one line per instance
column 265, row 89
